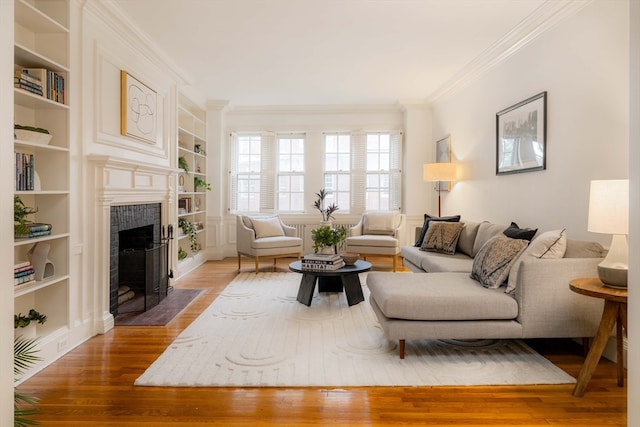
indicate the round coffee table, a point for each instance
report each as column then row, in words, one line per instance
column 331, row 281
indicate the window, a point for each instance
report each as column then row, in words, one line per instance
column 337, row 170
column 378, row 167
column 246, row 171
column 361, row 171
column 291, row 173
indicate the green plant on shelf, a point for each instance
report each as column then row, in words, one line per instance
column 199, row 182
column 21, row 321
column 189, row 230
column 182, row 254
column 182, row 164
column 20, row 213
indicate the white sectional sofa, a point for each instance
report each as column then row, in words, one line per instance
column 442, row 301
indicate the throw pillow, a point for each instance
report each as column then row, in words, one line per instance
column 468, row 237
column 267, row 227
column 425, row 226
column 493, row 261
column 442, row 237
column 550, row 244
column 516, row 232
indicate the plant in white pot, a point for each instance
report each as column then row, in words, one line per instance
column 327, row 239
column 327, row 212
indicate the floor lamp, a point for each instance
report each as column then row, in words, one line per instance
column 439, row 172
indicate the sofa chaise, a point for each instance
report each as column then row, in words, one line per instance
column 452, row 296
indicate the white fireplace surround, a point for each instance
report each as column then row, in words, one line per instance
column 118, row 181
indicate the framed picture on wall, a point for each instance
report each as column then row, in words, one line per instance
column 443, row 155
column 521, row 144
column 138, row 103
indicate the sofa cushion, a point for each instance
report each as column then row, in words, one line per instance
column 515, row 232
column 486, row 230
column 550, row 244
column 493, row 261
column 436, row 262
column 381, row 222
column 467, row 237
column 267, row 227
column 584, row 249
column 425, row 226
column 440, row 296
column 442, row 237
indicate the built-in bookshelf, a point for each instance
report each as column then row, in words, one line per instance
column 42, row 42
column 191, row 197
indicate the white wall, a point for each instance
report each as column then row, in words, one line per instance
column 6, row 206
column 582, row 63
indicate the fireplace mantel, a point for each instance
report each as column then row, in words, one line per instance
column 119, row 181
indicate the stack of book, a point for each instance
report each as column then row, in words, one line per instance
column 320, row 262
column 23, row 273
column 34, row 229
column 25, row 171
column 41, row 81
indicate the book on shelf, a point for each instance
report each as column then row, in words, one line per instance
column 28, row 272
column 24, row 280
column 51, row 83
column 323, row 267
column 21, row 264
column 38, row 226
column 24, row 171
column 34, row 234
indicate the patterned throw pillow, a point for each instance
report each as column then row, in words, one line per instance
column 425, row 226
column 442, row 237
column 493, row 261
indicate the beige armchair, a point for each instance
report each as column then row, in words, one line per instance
column 377, row 233
column 265, row 237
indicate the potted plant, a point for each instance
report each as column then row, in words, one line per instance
column 189, row 230
column 20, row 212
column 327, row 239
column 182, row 164
column 327, row 212
column 199, row 182
column 24, row 356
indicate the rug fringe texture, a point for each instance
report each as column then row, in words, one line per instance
column 255, row 334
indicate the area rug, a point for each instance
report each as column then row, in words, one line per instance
column 162, row 313
column 256, row 334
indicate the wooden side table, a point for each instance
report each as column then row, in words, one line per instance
column 615, row 312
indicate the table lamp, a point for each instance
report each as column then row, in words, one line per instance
column 439, row 172
column 609, row 214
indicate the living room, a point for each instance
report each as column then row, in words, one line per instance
column 579, row 54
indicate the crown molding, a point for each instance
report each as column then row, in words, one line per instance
column 315, row 109
column 529, row 29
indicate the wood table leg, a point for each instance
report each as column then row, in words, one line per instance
column 352, row 288
column 609, row 317
column 307, row 286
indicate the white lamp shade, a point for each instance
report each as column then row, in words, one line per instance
column 609, row 207
column 439, row 172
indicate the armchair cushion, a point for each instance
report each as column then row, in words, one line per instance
column 380, row 223
column 267, row 227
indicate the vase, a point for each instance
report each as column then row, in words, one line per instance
column 327, row 250
column 327, row 223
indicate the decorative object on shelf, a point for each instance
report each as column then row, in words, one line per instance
column 43, row 266
column 20, row 321
column 327, row 212
column 440, row 172
column 189, row 230
column 521, row 136
column 182, row 254
column 609, row 214
column 182, row 164
column 197, row 148
column 327, row 239
column 20, row 221
column 201, row 183
column 349, row 258
column 32, row 134
column 138, row 109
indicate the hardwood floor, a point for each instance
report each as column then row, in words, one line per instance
column 93, row 386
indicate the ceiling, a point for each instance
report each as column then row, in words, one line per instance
column 323, row 52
